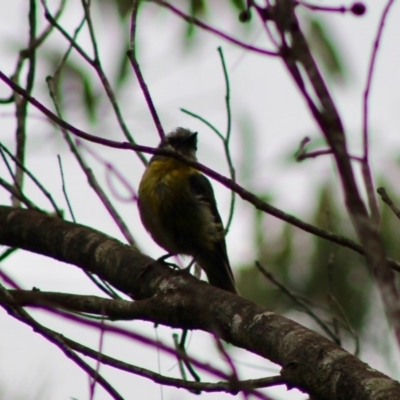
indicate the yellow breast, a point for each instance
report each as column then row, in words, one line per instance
column 166, row 177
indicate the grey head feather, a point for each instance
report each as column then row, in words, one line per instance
column 181, row 140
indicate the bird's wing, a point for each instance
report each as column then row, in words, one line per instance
column 214, row 262
column 202, row 188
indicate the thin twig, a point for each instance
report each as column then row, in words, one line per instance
column 64, row 189
column 111, row 170
column 88, row 18
column 159, row 359
column 183, row 358
column 64, row 58
column 9, row 169
column 386, row 199
column 234, row 373
column 347, row 325
column 34, row 179
column 103, row 286
column 37, row 42
column 227, row 138
column 19, row 313
column 315, row 7
column 335, row 306
column 89, row 174
column 21, row 103
column 98, row 363
column 168, row 381
column 313, row 154
column 7, row 253
column 135, row 65
column 297, row 301
column 331, row 297
column 367, row 176
column 202, row 119
column 17, row 194
column 137, row 337
column 202, row 25
column 227, row 155
column 96, row 65
column 6, row 277
column 301, row 154
column 46, row 32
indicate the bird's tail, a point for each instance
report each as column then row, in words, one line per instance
column 218, row 270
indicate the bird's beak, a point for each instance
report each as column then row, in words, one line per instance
column 192, row 138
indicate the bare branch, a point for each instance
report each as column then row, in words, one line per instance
column 19, row 313
column 214, row 31
column 208, row 387
column 385, row 198
column 21, row 103
column 96, row 65
column 366, row 170
column 135, row 65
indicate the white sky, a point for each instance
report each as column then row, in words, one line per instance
column 263, row 97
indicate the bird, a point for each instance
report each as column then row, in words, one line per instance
column 177, row 207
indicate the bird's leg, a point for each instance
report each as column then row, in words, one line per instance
column 165, row 257
column 161, row 260
column 187, row 269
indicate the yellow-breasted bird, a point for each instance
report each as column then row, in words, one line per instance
column 178, row 208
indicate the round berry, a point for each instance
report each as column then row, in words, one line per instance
column 358, row 9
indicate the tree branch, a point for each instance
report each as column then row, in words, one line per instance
column 310, row 362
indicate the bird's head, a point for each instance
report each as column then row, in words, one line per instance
column 182, row 141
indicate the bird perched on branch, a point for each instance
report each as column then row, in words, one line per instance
column 178, row 208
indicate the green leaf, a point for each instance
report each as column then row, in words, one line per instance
column 72, row 72
column 124, row 7
column 89, row 98
column 389, row 226
column 123, row 68
column 325, row 47
column 197, row 7
column 238, row 4
column 190, row 29
column 335, row 270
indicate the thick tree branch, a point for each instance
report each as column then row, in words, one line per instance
column 113, row 309
column 310, row 362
